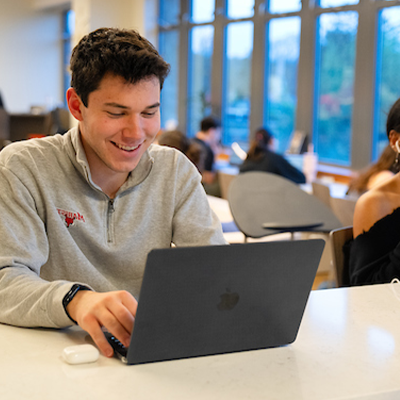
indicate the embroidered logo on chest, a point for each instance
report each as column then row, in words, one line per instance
column 70, row 217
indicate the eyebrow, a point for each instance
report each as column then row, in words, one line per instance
column 116, row 105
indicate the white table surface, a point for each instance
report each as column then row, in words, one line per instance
column 348, row 347
column 223, row 212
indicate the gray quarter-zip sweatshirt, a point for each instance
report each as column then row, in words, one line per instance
column 58, row 228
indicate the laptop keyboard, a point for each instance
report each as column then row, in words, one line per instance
column 118, row 347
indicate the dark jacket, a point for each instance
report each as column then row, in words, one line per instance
column 375, row 254
column 276, row 164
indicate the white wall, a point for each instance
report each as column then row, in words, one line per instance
column 41, row 4
column 137, row 14
column 31, row 60
column 30, row 43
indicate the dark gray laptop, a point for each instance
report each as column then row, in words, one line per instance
column 198, row 301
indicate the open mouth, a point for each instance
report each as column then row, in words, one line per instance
column 126, row 148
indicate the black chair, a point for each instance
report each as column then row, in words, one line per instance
column 263, row 204
column 339, row 237
column 4, row 125
column 60, row 119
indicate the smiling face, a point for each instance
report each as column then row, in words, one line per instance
column 117, row 127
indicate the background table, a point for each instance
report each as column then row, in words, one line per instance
column 348, row 347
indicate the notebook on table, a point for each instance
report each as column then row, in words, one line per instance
column 199, row 301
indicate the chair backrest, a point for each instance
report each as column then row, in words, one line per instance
column 344, row 209
column 224, row 183
column 256, row 198
column 60, row 120
column 23, row 126
column 338, row 237
column 4, row 124
column 322, row 192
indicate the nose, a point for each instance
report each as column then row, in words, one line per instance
column 133, row 129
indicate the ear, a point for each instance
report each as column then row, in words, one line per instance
column 75, row 104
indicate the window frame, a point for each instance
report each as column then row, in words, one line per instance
column 363, row 113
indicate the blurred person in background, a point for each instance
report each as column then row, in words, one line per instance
column 209, row 137
column 375, row 250
column 261, row 157
column 374, row 174
column 178, row 140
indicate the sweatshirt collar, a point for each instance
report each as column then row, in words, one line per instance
column 78, row 157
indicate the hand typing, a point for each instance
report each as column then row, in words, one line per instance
column 113, row 310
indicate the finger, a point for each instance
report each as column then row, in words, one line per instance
column 123, row 317
column 123, row 306
column 128, row 312
column 95, row 331
column 119, row 321
column 130, row 302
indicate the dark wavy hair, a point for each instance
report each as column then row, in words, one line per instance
column 259, row 144
column 393, row 119
column 385, row 163
column 120, row 52
column 209, row 122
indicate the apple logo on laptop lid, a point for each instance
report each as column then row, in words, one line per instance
column 228, row 300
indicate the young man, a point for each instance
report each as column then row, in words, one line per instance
column 209, row 137
column 80, row 212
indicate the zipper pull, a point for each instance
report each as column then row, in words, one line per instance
column 111, row 205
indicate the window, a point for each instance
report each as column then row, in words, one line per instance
column 283, row 46
column 318, row 66
column 203, row 11
column 336, row 3
column 279, row 6
column 335, row 86
column 240, row 9
column 237, row 82
column 169, row 12
column 388, row 88
column 169, row 49
column 68, row 30
column 199, row 96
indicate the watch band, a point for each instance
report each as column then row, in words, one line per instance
column 70, row 295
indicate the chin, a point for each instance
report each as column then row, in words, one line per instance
column 124, row 169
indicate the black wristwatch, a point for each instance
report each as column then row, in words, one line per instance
column 70, row 295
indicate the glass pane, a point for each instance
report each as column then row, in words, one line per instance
column 279, row 6
column 336, row 3
column 283, row 43
column 388, row 89
column 334, row 96
column 199, row 96
column 237, row 83
column 169, row 45
column 240, row 8
column 169, row 12
column 203, row 11
column 68, row 31
column 69, row 27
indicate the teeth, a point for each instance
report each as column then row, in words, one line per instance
column 127, row 148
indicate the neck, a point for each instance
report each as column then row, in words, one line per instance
column 110, row 184
column 203, row 136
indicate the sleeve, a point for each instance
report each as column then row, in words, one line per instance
column 194, row 223
column 244, row 167
column 209, row 160
column 374, row 257
column 25, row 298
column 288, row 171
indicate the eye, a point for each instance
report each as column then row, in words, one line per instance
column 115, row 115
column 149, row 114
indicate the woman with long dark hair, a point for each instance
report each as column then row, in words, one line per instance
column 375, row 251
column 260, row 157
